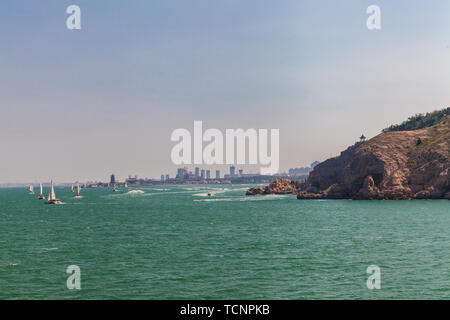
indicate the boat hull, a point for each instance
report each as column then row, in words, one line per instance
column 54, row 202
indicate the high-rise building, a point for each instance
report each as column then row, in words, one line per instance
column 113, row 179
column 197, row 172
column 202, row 174
column 208, row 174
column 167, row 177
column 182, row 173
column 241, row 172
column 232, row 171
column 217, row 174
column 162, row 177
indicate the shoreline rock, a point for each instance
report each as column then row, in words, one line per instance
column 280, row 186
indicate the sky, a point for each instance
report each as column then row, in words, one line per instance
column 78, row 105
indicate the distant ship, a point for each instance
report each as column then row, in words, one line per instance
column 78, row 195
column 31, row 190
column 52, row 196
column 41, row 194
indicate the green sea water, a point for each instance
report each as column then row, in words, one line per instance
column 177, row 243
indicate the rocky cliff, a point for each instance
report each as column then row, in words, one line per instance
column 393, row 165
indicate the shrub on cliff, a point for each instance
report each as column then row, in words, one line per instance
column 420, row 121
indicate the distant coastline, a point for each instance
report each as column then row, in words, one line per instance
column 257, row 179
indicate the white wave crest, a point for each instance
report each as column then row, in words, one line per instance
column 134, row 192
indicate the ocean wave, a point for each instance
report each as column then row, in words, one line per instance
column 204, row 188
column 164, row 193
column 238, row 189
column 215, row 200
column 194, row 188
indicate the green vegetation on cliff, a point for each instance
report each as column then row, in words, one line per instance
column 420, row 121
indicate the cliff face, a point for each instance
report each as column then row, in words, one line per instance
column 393, row 165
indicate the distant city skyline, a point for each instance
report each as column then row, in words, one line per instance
column 182, row 173
column 78, row 105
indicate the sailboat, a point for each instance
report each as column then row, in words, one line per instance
column 126, row 186
column 41, row 194
column 52, row 196
column 78, row 195
column 71, row 188
column 31, row 189
column 114, row 189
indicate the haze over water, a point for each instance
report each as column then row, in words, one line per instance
column 177, row 243
column 108, row 96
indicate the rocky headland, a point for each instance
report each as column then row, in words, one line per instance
column 394, row 165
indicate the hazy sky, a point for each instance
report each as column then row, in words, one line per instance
column 82, row 104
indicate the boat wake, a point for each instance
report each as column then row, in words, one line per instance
column 135, row 192
column 252, row 198
column 212, row 192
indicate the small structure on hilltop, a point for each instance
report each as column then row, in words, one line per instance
column 362, row 138
column 419, row 141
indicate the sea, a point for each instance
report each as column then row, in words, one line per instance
column 178, row 242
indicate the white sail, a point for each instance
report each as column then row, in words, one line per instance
column 31, row 188
column 41, row 193
column 78, row 188
column 52, row 195
column 71, row 188
column 126, row 185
